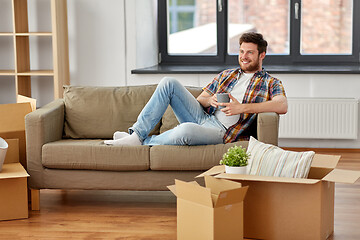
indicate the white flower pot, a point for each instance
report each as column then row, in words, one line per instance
column 3, row 149
column 235, row 170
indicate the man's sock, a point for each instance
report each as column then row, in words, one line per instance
column 131, row 140
column 118, row 135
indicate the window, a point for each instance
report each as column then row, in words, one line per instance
column 299, row 32
column 188, row 22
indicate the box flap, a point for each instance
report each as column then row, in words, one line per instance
column 23, row 99
column 266, row 178
column 318, row 173
column 325, row 161
column 218, row 185
column 13, row 170
column 13, row 116
column 225, row 192
column 172, row 188
column 193, row 193
column 213, row 171
column 231, row 196
column 342, row 176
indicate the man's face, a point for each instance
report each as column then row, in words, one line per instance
column 249, row 58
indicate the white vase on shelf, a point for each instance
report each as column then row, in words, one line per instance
column 235, row 170
column 3, row 149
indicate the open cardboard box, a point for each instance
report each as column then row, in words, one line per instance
column 13, row 185
column 291, row 208
column 214, row 212
column 12, row 124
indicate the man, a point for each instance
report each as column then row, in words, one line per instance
column 250, row 88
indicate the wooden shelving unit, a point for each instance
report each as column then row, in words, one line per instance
column 60, row 50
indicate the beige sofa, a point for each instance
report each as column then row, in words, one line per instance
column 65, row 148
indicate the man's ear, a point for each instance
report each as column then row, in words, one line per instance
column 262, row 55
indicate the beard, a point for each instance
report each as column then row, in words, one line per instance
column 252, row 67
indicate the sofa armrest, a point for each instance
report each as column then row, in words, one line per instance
column 268, row 127
column 42, row 126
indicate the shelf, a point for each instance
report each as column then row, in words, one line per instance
column 37, row 48
column 217, row 68
column 34, row 34
column 27, row 73
column 26, row 34
column 7, row 72
column 37, row 73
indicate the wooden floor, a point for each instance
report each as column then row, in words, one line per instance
column 78, row 214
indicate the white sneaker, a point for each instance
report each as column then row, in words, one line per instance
column 118, row 135
column 131, row 140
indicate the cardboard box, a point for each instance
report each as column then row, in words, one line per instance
column 12, row 124
column 13, row 192
column 214, row 212
column 288, row 208
column 12, row 154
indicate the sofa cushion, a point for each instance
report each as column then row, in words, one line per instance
column 169, row 120
column 97, row 112
column 166, row 157
column 270, row 160
column 94, row 155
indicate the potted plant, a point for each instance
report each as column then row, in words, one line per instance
column 235, row 160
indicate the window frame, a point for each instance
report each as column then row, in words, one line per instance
column 222, row 56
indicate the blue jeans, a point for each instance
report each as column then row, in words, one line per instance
column 196, row 126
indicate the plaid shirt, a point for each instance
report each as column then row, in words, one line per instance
column 262, row 87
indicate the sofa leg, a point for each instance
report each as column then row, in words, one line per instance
column 35, row 199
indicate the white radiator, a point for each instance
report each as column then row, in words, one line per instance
column 326, row 118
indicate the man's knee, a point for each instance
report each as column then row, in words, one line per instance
column 168, row 81
column 183, row 134
column 186, row 129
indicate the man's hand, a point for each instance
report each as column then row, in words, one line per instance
column 234, row 107
column 206, row 100
column 213, row 100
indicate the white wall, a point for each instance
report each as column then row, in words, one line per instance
column 97, row 42
column 107, row 39
column 7, row 83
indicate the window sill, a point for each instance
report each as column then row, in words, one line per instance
column 211, row 69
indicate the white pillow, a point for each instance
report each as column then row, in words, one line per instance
column 270, row 160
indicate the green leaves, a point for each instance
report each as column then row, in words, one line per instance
column 236, row 156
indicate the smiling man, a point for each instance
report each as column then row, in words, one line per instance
column 251, row 90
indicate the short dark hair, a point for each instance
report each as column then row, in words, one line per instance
column 256, row 38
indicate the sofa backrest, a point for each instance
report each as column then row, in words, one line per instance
column 97, row 112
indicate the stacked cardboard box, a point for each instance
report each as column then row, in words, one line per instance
column 288, row 208
column 13, row 185
column 13, row 192
column 13, row 177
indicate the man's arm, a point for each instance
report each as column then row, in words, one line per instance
column 277, row 104
column 205, row 99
